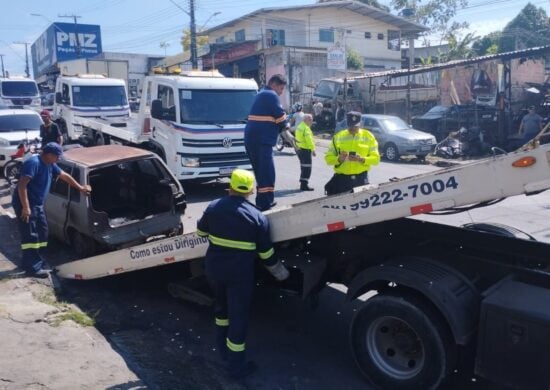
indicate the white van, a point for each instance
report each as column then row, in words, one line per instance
column 19, row 91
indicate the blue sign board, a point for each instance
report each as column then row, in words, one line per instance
column 63, row 42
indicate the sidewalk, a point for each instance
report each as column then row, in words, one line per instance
column 46, row 343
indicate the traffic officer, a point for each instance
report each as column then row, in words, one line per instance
column 352, row 152
column 305, row 148
column 265, row 121
column 238, row 233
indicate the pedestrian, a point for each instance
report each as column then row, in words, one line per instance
column 305, row 148
column 266, row 120
column 352, row 152
column 49, row 131
column 530, row 126
column 238, row 233
column 28, row 203
column 340, row 113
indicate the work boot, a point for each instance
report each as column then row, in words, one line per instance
column 305, row 187
column 41, row 273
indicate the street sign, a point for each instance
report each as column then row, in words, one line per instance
column 336, row 58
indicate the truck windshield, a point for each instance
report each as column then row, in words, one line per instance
column 19, row 88
column 215, row 106
column 99, row 96
column 19, row 122
column 327, row 89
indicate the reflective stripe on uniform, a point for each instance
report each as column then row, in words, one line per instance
column 261, row 118
column 281, row 119
column 235, row 347
column 222, row 321
column 34, row 245
column 267, row 254
column 245, row 245
column 265, row 189
column 201, row 233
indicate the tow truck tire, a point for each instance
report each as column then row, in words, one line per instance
column 391, row 153
column 401, row 342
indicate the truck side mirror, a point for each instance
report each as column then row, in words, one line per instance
column 156, row 109
column 58, row 98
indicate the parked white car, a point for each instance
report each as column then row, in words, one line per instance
column 17, row 126
column 396, row 138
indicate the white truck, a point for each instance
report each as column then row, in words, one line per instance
column 88, row 96
column 440, row 290
column 193, row 120
column 17, row 91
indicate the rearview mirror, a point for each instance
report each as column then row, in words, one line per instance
column 156, row 109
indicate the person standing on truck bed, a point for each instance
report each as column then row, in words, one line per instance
column 238, row 232
column 49, row 131
column 305, row 148
column 531, row 125
column 265, row 121
column 352, row 152
column 28, row 203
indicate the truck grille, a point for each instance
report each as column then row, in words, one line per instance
column 210, row 143
column 21, row 101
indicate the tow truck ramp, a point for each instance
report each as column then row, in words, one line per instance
column 496, row 177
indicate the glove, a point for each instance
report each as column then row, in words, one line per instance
column 278, row 270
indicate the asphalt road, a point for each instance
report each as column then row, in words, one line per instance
column 168, row 342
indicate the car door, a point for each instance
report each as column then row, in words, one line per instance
column 376, row 129
column 58, row 204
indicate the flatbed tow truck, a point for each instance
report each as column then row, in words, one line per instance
column 440, row 290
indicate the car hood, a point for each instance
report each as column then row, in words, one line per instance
column 429, row 116
column 411, row 134
column 13, row 136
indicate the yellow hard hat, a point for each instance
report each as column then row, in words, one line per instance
column 242, row 181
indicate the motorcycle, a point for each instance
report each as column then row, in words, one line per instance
column 462, row 143
column 25, row 149
column 283, row 142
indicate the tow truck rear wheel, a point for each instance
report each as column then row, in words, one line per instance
column 401, row 342
column 82, row 245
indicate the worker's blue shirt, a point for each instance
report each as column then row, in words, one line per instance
column 238, row 233
column 41, row 175
column 266, row 119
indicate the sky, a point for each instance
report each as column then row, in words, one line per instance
column 142, row 26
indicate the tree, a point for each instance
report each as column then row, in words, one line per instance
column 459, row 49
column 487, row 44
column 354, row 59
column 186, row 40
column 529, row 28
column 434, row 14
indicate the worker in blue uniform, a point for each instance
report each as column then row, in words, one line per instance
column 238, row 233
column 265, row 121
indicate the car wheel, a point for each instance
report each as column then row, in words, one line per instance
column 280, row 144
column 12, row 170
column 400, row 342
column 82, row 245
column 390, row 152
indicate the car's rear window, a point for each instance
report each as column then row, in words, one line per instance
column 19, row 122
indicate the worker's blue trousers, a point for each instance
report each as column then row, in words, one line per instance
column 34, row 238
column 233, row 299
column 261, row 158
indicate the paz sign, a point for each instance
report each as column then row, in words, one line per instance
column 336, row 58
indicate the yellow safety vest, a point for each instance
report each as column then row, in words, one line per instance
column 363, row 144
column 304, row 137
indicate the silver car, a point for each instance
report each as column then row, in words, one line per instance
column 396, row 138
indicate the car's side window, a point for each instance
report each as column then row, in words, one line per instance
column 60, row 188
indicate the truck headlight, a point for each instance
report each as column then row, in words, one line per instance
column 190, row 162
column 36, row 101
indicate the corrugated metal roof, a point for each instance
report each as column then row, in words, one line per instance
column 403, row 24
column 534, row 51
column 99, row 155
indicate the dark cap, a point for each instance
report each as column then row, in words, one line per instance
column 53, row 148
column 353, row 118
column 531, row 107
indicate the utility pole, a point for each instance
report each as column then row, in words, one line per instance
column 2, row 60
column 74, row 17
column 194, row 62
column 27, row 71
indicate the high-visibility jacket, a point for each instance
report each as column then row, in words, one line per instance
column 363, row 144
column 266, row 119
column 236, row 229
column 304, row 137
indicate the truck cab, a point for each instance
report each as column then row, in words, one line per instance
column 91, row 96
column 197, row 122
column 19, row 91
